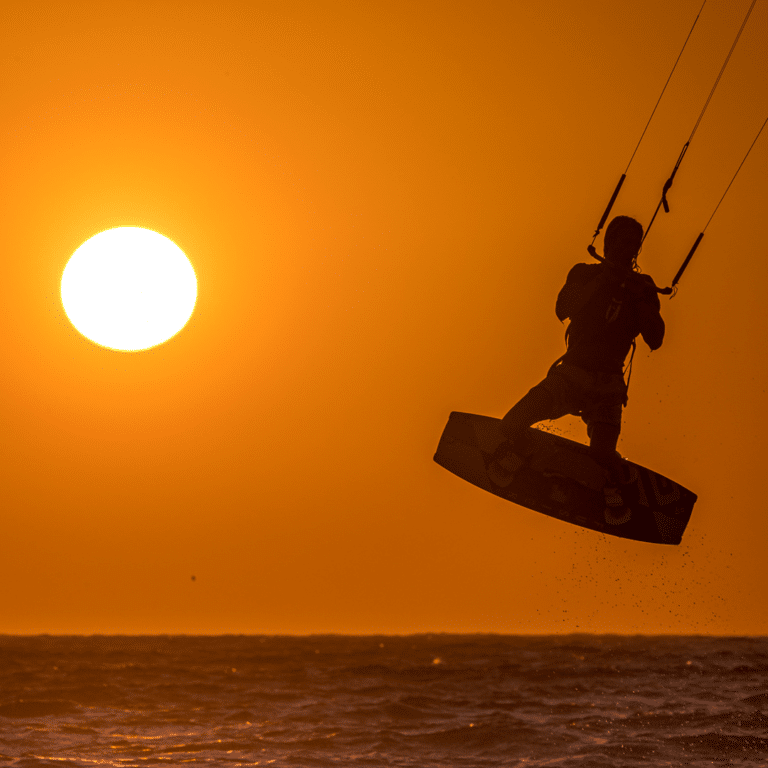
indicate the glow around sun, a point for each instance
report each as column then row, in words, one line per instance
column 128, row 289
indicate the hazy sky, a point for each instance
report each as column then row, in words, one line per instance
column 381, row 201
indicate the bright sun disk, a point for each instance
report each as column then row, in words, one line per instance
column 128, row 289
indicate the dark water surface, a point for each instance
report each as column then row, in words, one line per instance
column 578, row 701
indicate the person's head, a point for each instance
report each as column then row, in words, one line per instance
column 623, row 240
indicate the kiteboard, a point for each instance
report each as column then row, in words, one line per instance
column 560, row 479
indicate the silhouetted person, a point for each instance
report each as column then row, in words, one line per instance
column 609, row 305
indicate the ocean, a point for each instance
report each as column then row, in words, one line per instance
column 575, row 701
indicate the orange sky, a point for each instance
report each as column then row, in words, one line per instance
column 381, row 202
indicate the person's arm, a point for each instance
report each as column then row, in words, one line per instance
column 652, row 326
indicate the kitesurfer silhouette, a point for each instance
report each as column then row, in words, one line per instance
column 609, row 305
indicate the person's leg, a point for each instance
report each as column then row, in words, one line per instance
column 603, row 418
column 604, row 438
column 515, row 450
column 535, row 406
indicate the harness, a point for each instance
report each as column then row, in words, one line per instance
column 611, row 315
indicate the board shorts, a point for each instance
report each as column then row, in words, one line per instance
column 597, row 397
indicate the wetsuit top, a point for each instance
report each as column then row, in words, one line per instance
column 608, row 310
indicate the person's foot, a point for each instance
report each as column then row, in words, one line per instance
column 613, row 497
column 507, row 461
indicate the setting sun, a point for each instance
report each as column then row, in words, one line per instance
column 128, row 289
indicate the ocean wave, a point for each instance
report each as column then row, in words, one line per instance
column 474, row 701
column 759, row 700
column 31, row 708
column 733, row 746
